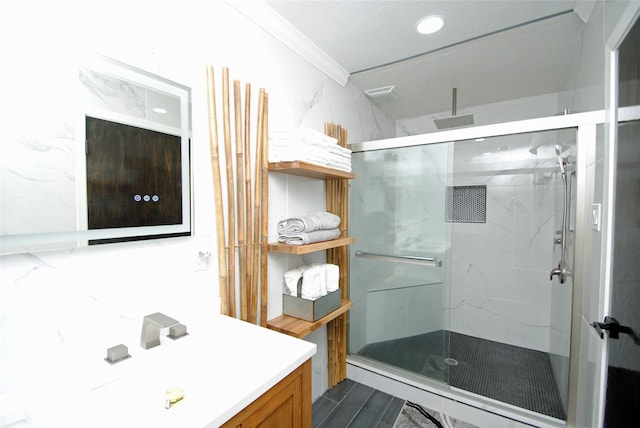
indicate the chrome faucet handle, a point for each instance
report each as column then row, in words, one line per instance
column 151, row 325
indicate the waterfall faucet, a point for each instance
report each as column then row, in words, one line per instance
column 151, row 325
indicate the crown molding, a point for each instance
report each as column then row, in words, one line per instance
column 266, row 17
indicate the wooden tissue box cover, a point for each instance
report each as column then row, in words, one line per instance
column 311, row 310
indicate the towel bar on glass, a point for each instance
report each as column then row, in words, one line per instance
column 427, row 261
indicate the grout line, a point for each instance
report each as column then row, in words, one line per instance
column 346, row 394
column 329, row 399
column 338, row 403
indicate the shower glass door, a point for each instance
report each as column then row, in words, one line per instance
column 452, row 270
column 398, row 264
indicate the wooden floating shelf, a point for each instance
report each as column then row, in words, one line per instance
column 279, row 247
column 300, row 328
column 309, row 170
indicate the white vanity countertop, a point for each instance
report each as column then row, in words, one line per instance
column 222, row 367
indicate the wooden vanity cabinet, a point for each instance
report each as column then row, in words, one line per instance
column 286, row 405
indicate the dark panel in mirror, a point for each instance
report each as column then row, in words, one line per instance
column 133, row 176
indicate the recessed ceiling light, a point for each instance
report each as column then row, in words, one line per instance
column 160, row 110
column 429, row 24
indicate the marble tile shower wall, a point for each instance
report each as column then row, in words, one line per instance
column 70, row 305
column 500, row 288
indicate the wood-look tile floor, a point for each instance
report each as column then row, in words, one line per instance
column 351, row 404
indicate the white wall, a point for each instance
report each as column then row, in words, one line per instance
column 77, row 303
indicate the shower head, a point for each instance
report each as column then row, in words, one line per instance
column 538, row 139
column 560, row 160
column 454, row 121
column 545, row 140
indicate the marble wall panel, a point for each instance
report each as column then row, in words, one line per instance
column 499, row 284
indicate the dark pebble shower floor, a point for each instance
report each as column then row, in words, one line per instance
column 510, row 374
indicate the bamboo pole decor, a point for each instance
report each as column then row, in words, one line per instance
column 258, row 217
column 247, row 194
column 337, row 202
column 242, row 248
column 231, row 253
column 264, row 146
column 245, row 237
column 217, row 190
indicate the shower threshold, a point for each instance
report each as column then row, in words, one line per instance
column 459, row 404
column 511, row 376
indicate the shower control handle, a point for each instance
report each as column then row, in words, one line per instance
column 560, row 272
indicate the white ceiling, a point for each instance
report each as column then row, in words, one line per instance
column 491, row 51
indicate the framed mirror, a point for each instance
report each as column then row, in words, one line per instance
column 103, row 158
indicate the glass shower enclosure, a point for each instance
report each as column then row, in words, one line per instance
column 450, row 273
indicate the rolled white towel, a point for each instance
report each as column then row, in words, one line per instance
column 333, row 277
column 311, row 283
column 317, row 220
column 316, row 280
column 322, row 269
column 291, row 278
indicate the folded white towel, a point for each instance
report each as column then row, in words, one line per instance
column 287, row 152
column 339, row 164
column 301, row 136
column 305, row 154
column 339, row 151
column 308, row 145
column 301, row 238
column 317, row 220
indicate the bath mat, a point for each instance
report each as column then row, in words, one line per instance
column 416, row 416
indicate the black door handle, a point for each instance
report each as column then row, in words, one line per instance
column 613, row 328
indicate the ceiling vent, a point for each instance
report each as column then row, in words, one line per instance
column 386, row 93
